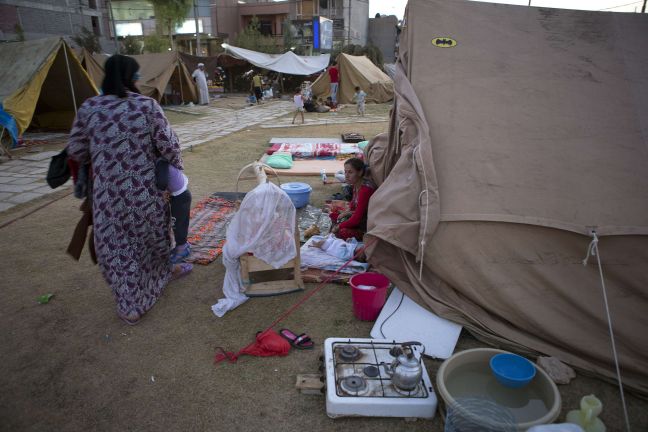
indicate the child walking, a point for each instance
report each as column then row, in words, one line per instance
column 176, row 183
column 359, row 97
column 299, row 105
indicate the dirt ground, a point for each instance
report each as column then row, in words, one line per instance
column 71, row 365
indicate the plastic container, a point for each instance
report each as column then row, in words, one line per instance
column 299, row 193
column 561, row 427
column 512, row 370
column 473, row 414
column 367, row 303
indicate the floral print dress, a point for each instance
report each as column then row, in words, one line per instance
column 123, row 138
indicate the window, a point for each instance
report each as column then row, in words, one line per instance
column 265, row 27
column 95, row 25
column 92, row 4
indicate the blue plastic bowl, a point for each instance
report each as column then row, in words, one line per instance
column 512, row 370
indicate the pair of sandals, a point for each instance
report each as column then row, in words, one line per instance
column 300, row 342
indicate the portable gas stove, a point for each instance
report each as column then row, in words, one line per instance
column 357, row 383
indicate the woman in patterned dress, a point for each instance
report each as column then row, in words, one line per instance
column 122, row 134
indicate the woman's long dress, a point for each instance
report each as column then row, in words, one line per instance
column 123, row 138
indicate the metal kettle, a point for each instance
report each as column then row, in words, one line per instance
column 405, row 370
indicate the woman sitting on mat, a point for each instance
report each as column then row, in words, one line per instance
column 353, row 222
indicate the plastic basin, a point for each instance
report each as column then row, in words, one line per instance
column 299, row 193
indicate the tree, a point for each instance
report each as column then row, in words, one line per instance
column 155, row 44
column 169, row 14
column 88, row 40
column 372, row 52
column 252, row 39
column 131, row 45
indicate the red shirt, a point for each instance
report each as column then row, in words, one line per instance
column 333, row 73
column 359, row 205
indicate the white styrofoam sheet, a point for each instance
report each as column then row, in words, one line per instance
column 412, row 322
column 303, row 140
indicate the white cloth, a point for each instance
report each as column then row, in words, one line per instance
column 265, row 226
column 289, row 62
column 201, row 82
column 314, row 257
column 339, row 248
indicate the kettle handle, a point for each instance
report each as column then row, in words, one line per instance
column 414, row 343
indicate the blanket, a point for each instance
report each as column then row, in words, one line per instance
column 317, row 150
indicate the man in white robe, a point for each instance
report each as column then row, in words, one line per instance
column 200, row 77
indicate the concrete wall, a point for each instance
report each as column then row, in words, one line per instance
column 48, row 18
column 359, row 22
column 382, row 33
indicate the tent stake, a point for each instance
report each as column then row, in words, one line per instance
column 67, row 63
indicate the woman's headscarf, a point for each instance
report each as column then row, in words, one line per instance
column 120, row 71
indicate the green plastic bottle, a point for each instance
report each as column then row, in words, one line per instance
column 587, row 416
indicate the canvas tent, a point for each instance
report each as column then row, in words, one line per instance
column 357, row 71
column 158, row 71
column 93, row 64
column 41, row 84
column 504, row 153
column 288, row 63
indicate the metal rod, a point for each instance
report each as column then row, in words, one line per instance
column 67, row 64
column 195, row 8
column 643, row 8
column 180, row 79
column 114, row 27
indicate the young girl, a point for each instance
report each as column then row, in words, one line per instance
column 299, row 105
column 175, row 182
column 353, row 222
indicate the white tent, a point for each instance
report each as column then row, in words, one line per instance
column 289, row 63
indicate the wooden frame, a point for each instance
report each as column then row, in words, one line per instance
column 276, row 286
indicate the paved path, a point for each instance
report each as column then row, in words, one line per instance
column 23, row 179
column 218, row 122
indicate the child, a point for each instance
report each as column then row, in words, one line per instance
column 251, row 100
column 176, row 183
column 180, row 209
column 359, row 97
column 299, row 105
column 339, row 248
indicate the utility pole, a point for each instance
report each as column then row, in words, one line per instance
column 114, row 27
column 349, row 23
column 198, row 51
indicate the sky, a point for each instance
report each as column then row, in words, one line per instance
column 397, row 7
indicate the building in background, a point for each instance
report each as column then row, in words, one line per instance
column 28, row 20
column 350, row 19
column 218, row 20
column 383, row 33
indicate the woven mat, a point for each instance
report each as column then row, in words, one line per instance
column 208, row 225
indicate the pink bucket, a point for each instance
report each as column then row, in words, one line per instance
column 367, row 303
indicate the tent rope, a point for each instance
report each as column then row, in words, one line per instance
column 427, row 211
column 593, row 250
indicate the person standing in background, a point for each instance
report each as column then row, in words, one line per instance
column 200, row 77
column 335, row 81
column 359, row 97
column 256, row 84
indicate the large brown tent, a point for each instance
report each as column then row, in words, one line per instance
column 41, row 85
column 357, row 71
column 505, row 152
column 157, row 71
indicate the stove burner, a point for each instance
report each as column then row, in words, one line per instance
column 353, row 385
column 371, row 371
column 413, row 392
column 396, row 351
column 350, row 353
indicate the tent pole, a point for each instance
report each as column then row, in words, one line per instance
column 67, row 63
column 180, row 79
